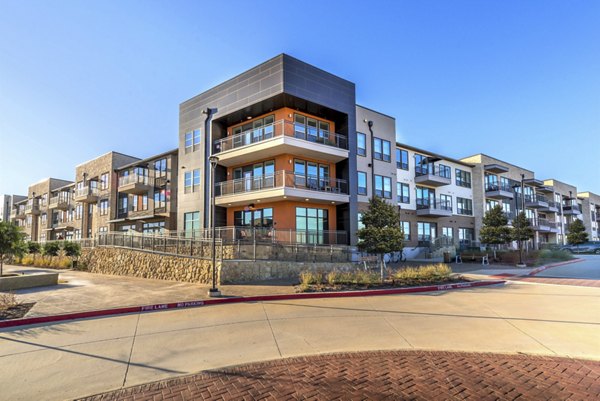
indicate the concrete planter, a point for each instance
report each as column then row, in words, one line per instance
column 18, row 282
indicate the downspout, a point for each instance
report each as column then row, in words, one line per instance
column 209, row 134
column 370, row 124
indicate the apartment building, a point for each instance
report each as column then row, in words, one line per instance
column 590, row 209
column 564, row 208
column 8, row 204
column 284, row 135
column 61, row 221
column 146, row 198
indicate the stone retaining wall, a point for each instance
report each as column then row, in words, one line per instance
column 243, row 271
column 127, row 262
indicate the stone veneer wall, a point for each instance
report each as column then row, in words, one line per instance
column 127, row 262
column 243, row 271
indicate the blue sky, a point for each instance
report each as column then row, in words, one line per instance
column 519, row 80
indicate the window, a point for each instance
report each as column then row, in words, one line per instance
column 464, row 206
column 402, row 159
column 312, row 175
column 491, row 182
column 446, row 202
column 191, row 182
column 191, row 224
column 103, row 207
column 362, row 183
column 447, row 232
column 44, row 219
column 122, row 206
column 160, row 199
column 189, row 142
column 426, row 231
column 140, row 202
column 445, row 171
column 361, row 144
column 311, row 225
column 382, row 150
column 196, row 139
column 360, row 223
column 311, row 129
column 425, row 197
column 466, row 235
column 253, row 218
column 383, row 187
column 405, row 226
column 156, row 227
column 490, row 204
column 160, row 168
column 463, row 178
column 403, row 192
column 103, row 230
column 104, row 181
column 77, row 234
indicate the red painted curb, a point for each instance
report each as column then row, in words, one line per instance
column 542, row 268
column 218, row 301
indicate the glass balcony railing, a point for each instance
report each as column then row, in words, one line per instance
column 279, row 129
column 135, row 179
column 281, row 179
column 434, row 204
column 497, row 187
column 86, row 191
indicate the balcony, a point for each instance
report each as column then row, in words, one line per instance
column 552, row 207
column 86, row 194
column 571, row 209
column 542, row 225
column 278, row 138
column 495, row 168
column 32, row 207
column 499, row 191
column 431, row 176
column 436, row 208
column 282, row 185
column 536, row 201
column 62, row 225
column 59, row 202
column 135, row 184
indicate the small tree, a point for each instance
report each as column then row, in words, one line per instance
column 577, row 234
column 495, row 230
column 72, row 250
column 382, row 232
column 51, row 249
column 521, row 232
column 11, row 241
column 33, row 247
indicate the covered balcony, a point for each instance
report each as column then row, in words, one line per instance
column 87, row 194
column 499, row 191
column 61, row 201
column 135, row 184
column 282, row 185
column 32, row 207
column 431, row 176
column 536, row 201
column 542, row 225
column 433, row 208
column 571, row 208
column 552, row 207
column 278, row 138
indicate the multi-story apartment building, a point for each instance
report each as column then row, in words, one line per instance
column 147, row 195
column 563, row 208
column 60, row 221
column 8, row 204
column 590, row 209
column 96, row 189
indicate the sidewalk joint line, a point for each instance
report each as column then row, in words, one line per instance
column 271, row 327
column 131, row 350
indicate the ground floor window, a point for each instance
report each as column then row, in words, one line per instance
column 426, row 231
column 156, row 227
column 103, row 230
column 42, row 237
column 77, row 234
column 466, row 235
column 448, row 233
column 126, row 227
column 311, row 225
column 191, row 224
column 69, row 235
column 405, row 225
column 253, row 218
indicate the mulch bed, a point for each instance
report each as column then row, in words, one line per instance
column 16, row 312
column 380, row 286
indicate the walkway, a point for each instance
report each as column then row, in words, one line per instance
column 79, row 358
column 384, row 375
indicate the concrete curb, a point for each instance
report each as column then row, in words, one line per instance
column 542, row 268
column 219, row 301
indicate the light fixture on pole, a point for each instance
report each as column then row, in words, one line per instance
column 213, row 291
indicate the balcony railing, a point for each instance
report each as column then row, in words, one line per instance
column 436, row 204
column 281, row 179
column 535, row 198
column 135, row 179
column 498, row 187
column 62, row 200
column 432, row 170
column 86, row 191
column 32, row 206
column 277, row 129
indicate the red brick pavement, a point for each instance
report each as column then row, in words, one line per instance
column 414, row 375
column 557, row 280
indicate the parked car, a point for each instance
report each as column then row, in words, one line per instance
column 586, row 247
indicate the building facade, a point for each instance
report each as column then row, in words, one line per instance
column 296, row 160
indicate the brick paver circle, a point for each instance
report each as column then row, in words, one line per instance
column 411, row 375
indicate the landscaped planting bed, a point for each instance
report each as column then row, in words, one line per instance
column 11, row 308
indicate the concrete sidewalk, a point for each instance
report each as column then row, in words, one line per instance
column 81, row 291
column 67, row 360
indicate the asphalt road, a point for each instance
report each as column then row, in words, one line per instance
column 588, row 269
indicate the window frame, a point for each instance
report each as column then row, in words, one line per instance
column 361, row 151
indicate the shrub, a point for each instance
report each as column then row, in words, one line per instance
column 33, row 247
column 310, row 277
column 51, row 249
column 72, row 249
column 27, row 260
column 428, row 273
column 554, row 254
column 63, row 263
column 8, row 300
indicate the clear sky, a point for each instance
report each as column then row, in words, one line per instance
column 518, row 80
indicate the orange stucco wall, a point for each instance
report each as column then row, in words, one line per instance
column 284, row 213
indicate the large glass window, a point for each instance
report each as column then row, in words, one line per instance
column 463, row 178
column 491, row 182
column 188, row 142
column 312, row 175
column 311, row 129
column 403, row 192
column 140, row 202
column 402, row 159
column 160, row 199
column 421, row 164
column 361, row 144
column 156, row 227
column 191, row 181
column 160, row 168
column 446, row 202
column 311, row 225
column 383, row 187
column 103, row 207
column 362, row 183
column 253, row 218
column 445, row 171
column 464, row 206
column 466, row 235
column 191, row 224
column 405, row 225
column 382, row 150
column 426, row 231
column 122, row 204
column 425, row 197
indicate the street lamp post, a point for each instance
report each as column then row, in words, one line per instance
column 214, row 291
